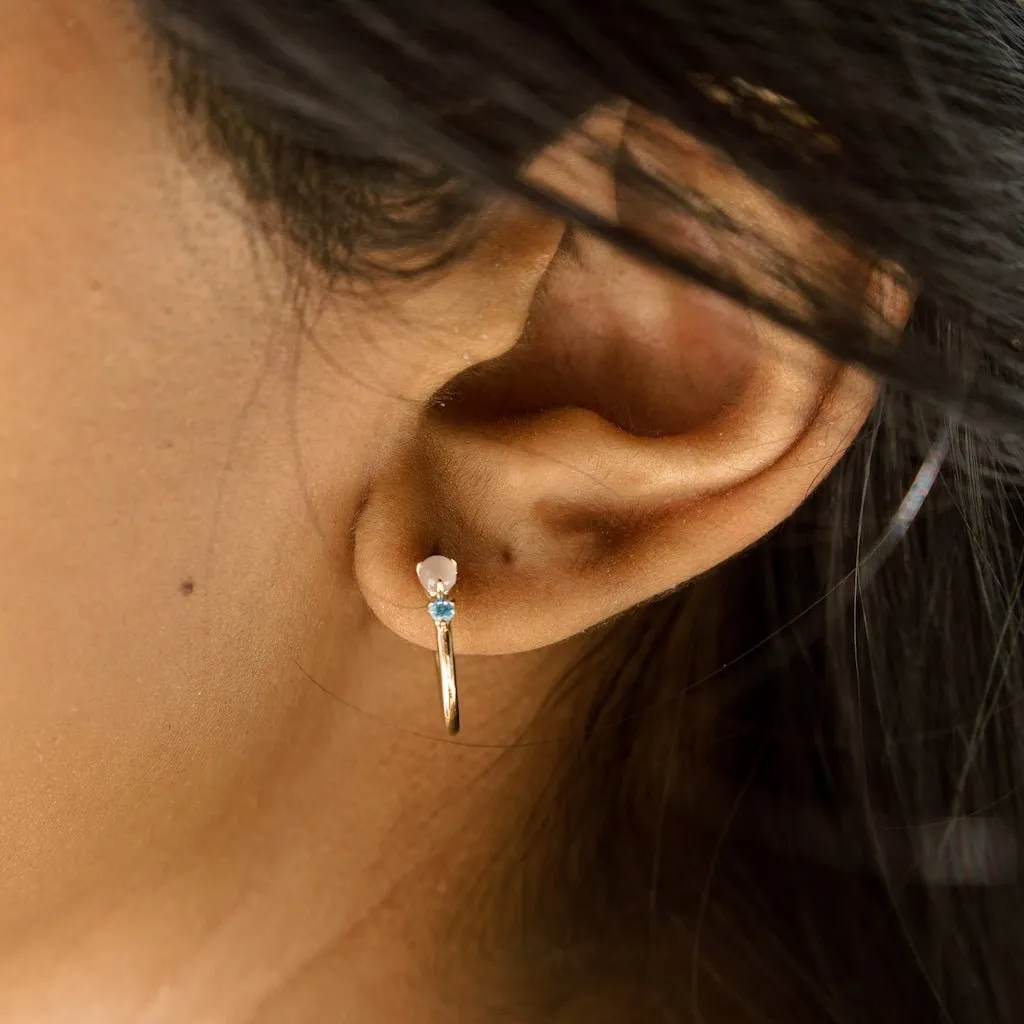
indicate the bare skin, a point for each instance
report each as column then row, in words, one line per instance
column 227, row 796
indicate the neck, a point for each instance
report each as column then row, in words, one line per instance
column 314, row 862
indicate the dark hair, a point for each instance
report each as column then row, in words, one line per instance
column 854, row 855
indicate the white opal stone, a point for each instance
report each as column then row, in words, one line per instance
column 437, row 569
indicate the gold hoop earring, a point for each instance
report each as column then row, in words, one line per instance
column 438, row 575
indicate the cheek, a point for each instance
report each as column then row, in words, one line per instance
column 99, row 370
column 144, row 440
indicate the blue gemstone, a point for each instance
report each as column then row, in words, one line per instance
column 441, row 609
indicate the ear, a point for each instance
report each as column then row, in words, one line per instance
column 639, row 432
